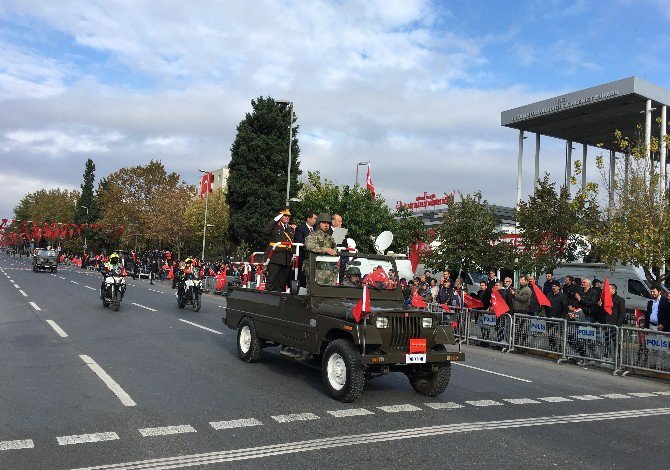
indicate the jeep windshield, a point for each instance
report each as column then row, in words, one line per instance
column 347, row 270
column 46, row 253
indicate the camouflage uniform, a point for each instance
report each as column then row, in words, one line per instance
column 318, row 242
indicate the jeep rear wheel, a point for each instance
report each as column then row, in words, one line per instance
column 342, row 371
column 248, row 345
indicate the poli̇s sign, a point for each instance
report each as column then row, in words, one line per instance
column 489, row 320
column 586, row 332
column 537, row 327
column 658, row 343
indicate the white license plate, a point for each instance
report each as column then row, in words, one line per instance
column 415, row 358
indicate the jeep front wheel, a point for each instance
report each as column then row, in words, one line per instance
column 430, row 383
column 248, row 345
column 342, row 371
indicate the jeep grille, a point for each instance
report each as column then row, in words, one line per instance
column 402, row 329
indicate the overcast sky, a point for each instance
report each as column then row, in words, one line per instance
column 416, row 87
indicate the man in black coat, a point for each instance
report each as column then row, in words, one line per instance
column 618, row 308
column 280, row 236
column 657, row 316
column 301, row 233
column 559, row 302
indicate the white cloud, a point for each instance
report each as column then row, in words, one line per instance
column 58, row 143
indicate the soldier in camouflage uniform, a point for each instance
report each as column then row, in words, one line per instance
column 319, row 242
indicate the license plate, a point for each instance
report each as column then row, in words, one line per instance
column 415, row 358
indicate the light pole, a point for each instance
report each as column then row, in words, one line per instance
column 85, row 244
column 290, row 144
column 357, row 165
column 204, row 228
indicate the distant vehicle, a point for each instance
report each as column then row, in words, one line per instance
column 44, row 260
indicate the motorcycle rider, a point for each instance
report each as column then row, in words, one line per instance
column 185, row 273
column 111, row 267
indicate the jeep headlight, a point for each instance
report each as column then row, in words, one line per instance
column 427, row 322
column 382, row 322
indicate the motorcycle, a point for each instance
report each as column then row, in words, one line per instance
column 190, row 293
column 114, row 286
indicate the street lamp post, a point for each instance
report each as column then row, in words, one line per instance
column 204, row 228
column 357, row 165
column 85, row 243
column 290, row 144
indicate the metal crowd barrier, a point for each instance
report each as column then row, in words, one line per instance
column 644, row 350
column 538, row 334
column 486, row 328
column 591, row 342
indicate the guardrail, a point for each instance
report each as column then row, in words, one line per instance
column 485, row 328
column 538, row 334
column 592, row 342
column 645, row 350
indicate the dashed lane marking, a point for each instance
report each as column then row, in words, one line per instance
column 83, row 438
column 166, row 430
column 520, row 401
column 74, row 282
column 586, row 397
column 17, row 286
column 554, row 399
column 642, row 394
column 89, row 287
column 616, row 396
column 23, row 293
column 295, row 417
column 483, row 403
column 144, row 307
column 444, row 406
column 235, row 423
column 200, row 326
column 61, row 277
column 493, row 372
column 15, row 445
column 111, row 384
column 399, row 408
column 350, row 412
column 57, row 329
column 35, row 306
column 347, row 440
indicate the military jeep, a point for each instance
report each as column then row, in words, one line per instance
column 318, row 322
column 44, row 259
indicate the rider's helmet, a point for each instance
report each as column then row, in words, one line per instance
column 114, row 258
column 188, row 261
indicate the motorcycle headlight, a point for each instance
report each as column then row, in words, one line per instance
column 382, row 322
column 427, row 322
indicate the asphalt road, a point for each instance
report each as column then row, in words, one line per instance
column 152, row 386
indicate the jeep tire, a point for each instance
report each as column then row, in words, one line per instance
column 249, row 347
column 342, row 371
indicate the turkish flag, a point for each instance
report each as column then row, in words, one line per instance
column 206, row 184
column 362, row 306
column 541, row 298
column 499, row 305
column 417, row 301
column 606, row 297
column 446, row 308
column 368, row 182
column 471, row 302
column 221, row 280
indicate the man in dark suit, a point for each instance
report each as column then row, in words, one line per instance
column 280, row 236
column 618, row 308
column 301, row 233
column 657, row 316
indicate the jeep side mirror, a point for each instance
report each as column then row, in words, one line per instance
column 294, row 287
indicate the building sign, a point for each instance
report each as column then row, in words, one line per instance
column 563, row 103
column 425, row 201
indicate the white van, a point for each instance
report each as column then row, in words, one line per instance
column 631, row 282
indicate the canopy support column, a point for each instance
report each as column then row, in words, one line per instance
column 519, row 169
column 537, row 160
column 584, row 167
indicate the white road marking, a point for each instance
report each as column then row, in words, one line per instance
column 665, row 393
column 444, row 406
column 10, row 279
column 23, row 293
column 89, row 287
column 200, row 326
column 74, row 282
column 520, row 401
column 17, row 286
column 399, row 408
column 57, row 329
column 350, row 412
column 166, row 430
column 642, row 394
column 484, row 403
column 235, row 423
column 14, row 445
column 586, row 397
column 61, row 277
column 493, row 372
column 616, row 396
column 83, row 438
column 554, row 399
column 113, row 386
column 34, row 305
column 350, row 440
column 144, row 306
column 295, row 417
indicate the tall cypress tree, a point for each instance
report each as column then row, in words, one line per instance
column 258, row 170
column 87, row 198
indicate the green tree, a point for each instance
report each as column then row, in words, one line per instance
column 87, row 198
column 258, row 170
column 408, row 230
column 52, row 205
column 468, row 238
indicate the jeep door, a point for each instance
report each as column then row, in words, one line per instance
column 298, row 325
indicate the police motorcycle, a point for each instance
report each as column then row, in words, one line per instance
column 189, row 290
column 114, row 284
